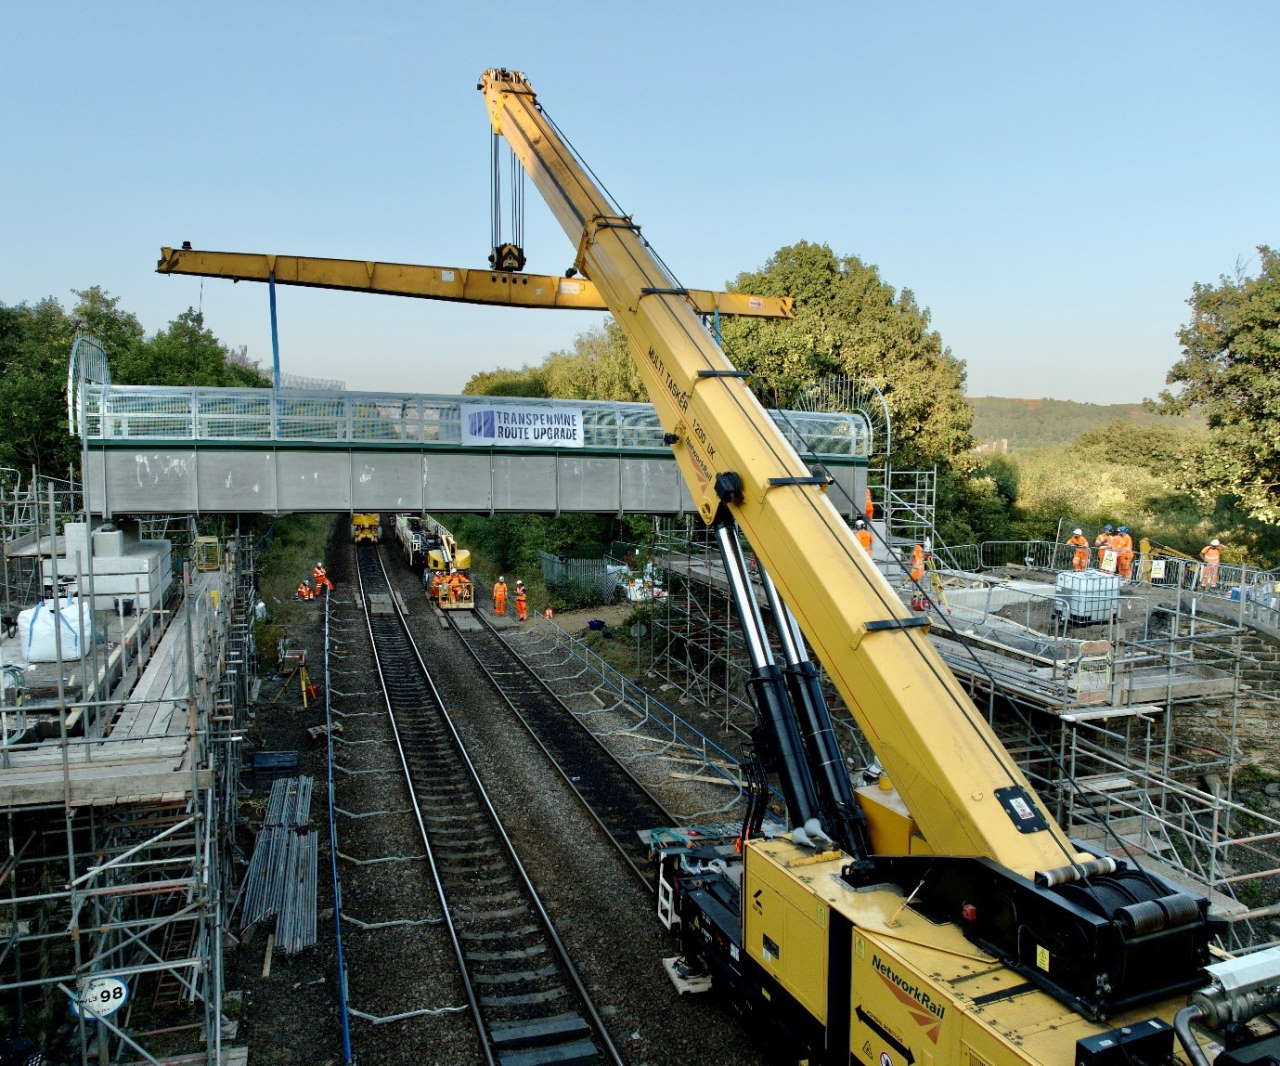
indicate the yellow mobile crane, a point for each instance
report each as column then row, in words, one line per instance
column 942, row 916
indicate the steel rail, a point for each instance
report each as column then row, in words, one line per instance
column 434, row 732
column 609, row 792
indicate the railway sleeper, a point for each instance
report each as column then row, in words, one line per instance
column 515, row 977
column 509, row 1001
column 507, row 956
column 577, row 1053
column 498, row 934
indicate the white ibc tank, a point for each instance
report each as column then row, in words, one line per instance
column 1087, row 595
column 36, row 630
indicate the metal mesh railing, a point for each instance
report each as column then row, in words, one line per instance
column 126, row 413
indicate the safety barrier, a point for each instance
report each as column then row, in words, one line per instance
column 1251, row 594
column 145, row 412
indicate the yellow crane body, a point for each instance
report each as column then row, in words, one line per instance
column 937, row 748
column 968, row 929
column 903, row 983
column 458, row 284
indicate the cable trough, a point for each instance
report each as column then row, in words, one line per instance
column 611, row 794
column 528, row 1000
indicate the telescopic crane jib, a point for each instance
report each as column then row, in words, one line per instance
column 955, row 922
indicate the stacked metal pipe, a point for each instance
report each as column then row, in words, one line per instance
column 281, row 880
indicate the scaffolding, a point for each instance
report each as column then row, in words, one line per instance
column 1130, row 726
column 118, row 797
column 24, row 502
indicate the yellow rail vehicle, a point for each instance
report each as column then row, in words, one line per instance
column 941, row 915
column 366, row 528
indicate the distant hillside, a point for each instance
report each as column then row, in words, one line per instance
column 1037, row 423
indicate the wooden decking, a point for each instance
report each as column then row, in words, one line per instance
column 148, row 750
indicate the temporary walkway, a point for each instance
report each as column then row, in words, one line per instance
column 155, row 450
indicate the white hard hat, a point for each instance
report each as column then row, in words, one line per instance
column 1214, row 543
column 1077, row 532
column 501, row 578
column 319, row 563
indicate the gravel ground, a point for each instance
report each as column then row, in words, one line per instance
column 604, row 915
column 292, row 1015
column 601, row 911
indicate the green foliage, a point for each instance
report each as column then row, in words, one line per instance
column 185, row 352
column 1230, row 372
column 527, row 381
column 1036, row 423
column 299, row 541
column 599, row 366
column 1158, row 449
column 35, row 341
column 849, row 321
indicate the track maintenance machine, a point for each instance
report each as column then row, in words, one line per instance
column 942, row 915
column 366, row 528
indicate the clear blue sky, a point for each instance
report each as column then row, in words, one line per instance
column 1050, row 180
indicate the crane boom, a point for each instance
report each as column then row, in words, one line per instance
column 971, row 931
column 457, row 284
column 963, row 789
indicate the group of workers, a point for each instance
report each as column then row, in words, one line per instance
column 521, row 598
column 318, row 586
column 1119, row 542
column 451, row 588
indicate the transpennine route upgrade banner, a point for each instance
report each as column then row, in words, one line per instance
column 515, row 426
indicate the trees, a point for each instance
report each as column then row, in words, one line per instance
column 35, row 341
column 1230, row 372
column 849, row 321
column 185, row 352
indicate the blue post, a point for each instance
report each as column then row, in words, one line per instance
column 275, row 334
column 715, row 323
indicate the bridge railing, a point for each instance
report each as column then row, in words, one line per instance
column 153, row 413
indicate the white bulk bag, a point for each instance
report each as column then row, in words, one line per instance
column 35, row 628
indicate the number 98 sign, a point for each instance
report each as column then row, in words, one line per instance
column 100, row 997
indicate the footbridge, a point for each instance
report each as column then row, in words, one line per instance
column 163, row 450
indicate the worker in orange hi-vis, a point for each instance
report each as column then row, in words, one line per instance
column 320, row 578
column 500, row 595
column 868, row 504
column 436, row 588
column 1102, row 542
column 522, row 602
column 1124, row 553
column 1080, row 559
column 459, row 587
column 304, row 591
column 1211, row 553
column 863, row 534
column 917, row 562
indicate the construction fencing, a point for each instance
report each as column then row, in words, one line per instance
column 593, row 577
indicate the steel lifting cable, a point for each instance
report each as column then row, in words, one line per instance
column 495, row 193
column 517, row 200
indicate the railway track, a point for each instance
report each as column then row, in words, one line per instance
column 529, row 1002
column 619, row 803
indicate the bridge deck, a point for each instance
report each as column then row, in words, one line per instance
column 170, row 450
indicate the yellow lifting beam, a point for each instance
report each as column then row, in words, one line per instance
column 945, row 760
column 458, row 284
